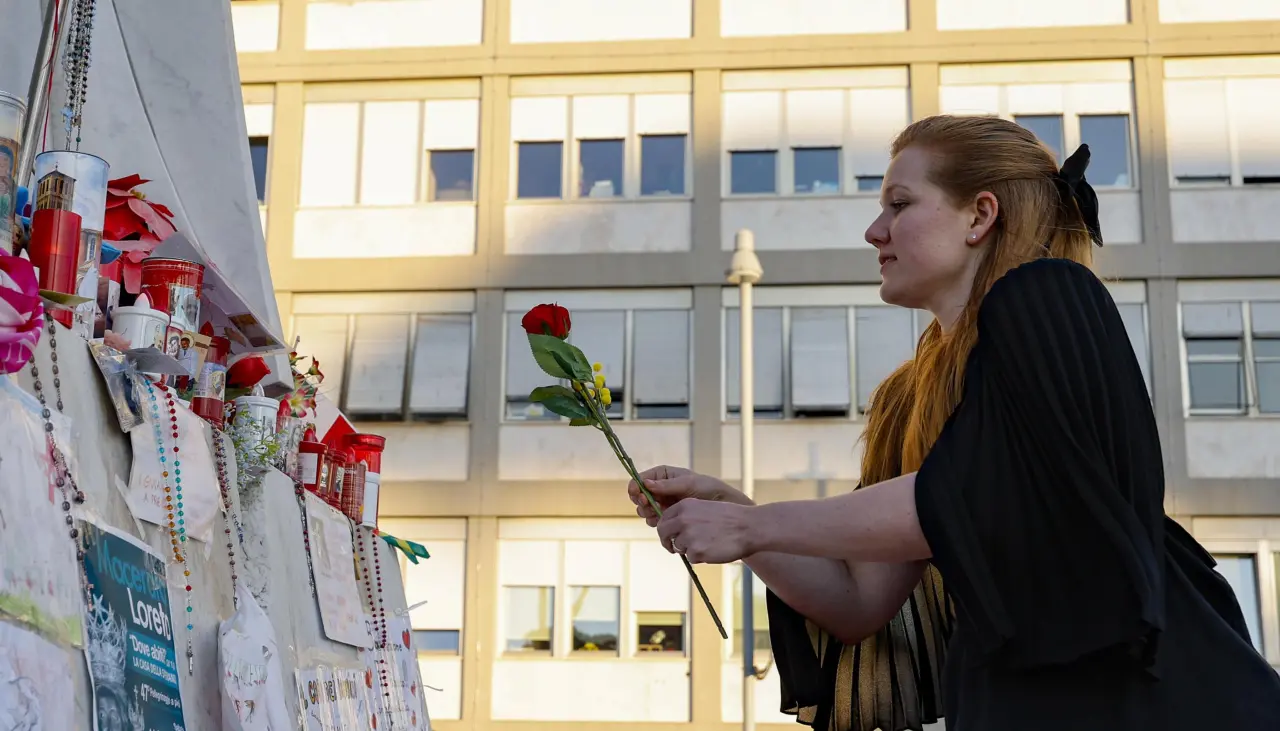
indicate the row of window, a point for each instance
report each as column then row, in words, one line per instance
column 593, row 623
column 827, row 136
column 364, row 24
column 810, row 361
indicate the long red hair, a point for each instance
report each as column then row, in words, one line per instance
column 970, row 155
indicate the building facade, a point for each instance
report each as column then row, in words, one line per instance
column 429, row 169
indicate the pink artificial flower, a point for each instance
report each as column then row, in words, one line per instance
column 21, row 312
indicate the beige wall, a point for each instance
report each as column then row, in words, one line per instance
column 459, row 483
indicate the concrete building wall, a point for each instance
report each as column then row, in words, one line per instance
column 615, row 149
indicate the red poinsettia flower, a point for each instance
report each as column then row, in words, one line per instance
column 134, row 225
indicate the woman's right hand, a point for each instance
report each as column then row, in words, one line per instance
column 669, row 485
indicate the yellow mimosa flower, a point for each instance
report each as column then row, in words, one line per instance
column 599, row 381
column 597, row 367
column 606, row 398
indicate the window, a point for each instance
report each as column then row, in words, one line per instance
column 435, row 589
column 660, row 631
column 1134, row 315
column 600, row 168
column 1231, row 368
column 539, row 170
column 804, row 365
column 870, row 183
column 452, row 175
column 530, row 613
column 1215, row 372
column 392, row 367
column 662, row 163
column 809, row 140
column 1247, row 554
column 1221, row 131
column 760, row 614
column 619, row 145
column 1047, row 128
column 1264, row 323
column 753, row 172
column 763, row 18
column 445, row 641
column 1107, row 136
column 370, row 153
column 1241, row 572
column 258, row 149
column 646, row 380
column 595, row 618
column 337, row 25
column 578, row 21
column 1090, row 103
column 598, row 618
column 817, row 170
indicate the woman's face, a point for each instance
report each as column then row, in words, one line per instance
column 929, row 248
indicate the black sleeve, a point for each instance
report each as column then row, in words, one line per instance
column 1042, row 500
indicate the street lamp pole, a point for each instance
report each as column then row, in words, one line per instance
column 745, row 271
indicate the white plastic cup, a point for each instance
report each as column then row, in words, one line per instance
column 143, row 327
column 262, row 409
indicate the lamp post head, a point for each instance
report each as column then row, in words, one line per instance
column 745, row 267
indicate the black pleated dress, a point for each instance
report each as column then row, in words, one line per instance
column 1059, row 597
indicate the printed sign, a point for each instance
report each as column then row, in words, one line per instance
column 132, row 661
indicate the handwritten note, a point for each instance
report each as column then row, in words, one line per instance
column 39, row 579
column 200, row 494
column 333, row 567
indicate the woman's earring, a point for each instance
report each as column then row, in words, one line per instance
column 973, row 237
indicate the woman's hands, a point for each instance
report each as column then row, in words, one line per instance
column 709, row 532
column 669, row 485
column 703, row 518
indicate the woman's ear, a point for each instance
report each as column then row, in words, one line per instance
column 986, row 209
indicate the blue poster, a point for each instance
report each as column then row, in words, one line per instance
column 132, row 659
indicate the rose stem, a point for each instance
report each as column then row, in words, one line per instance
column 621, row 453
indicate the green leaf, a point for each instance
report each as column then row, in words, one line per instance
column 559, row 359
column 582, row 422
column 542, row 394
column 566, row 406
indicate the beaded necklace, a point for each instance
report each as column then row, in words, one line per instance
column 233, row 517
column 173, row 501
column 301, row 493
column 76, row 67
column 377, row 607
column 63, row 480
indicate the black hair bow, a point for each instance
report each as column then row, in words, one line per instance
column 1073, row 186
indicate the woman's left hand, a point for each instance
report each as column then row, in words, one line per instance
column 707, row 531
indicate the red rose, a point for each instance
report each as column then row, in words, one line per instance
column 547, row 320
